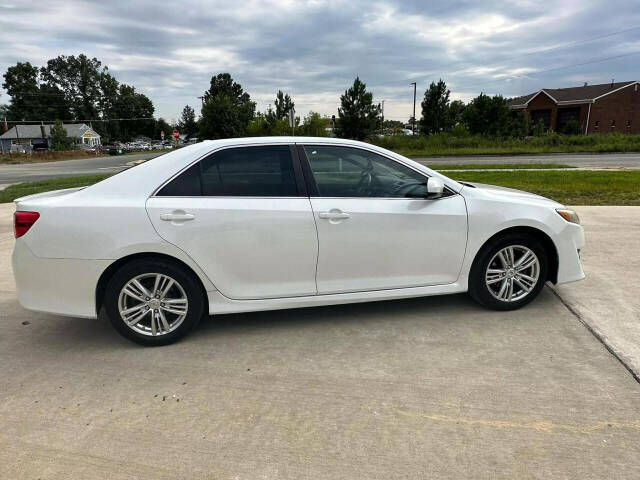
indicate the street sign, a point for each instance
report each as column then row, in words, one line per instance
column 176, row 134
column 162, row 134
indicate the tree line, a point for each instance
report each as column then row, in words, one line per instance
column 78, row 88
column 229, row 112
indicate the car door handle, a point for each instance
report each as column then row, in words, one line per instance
column 334, row 215
column 177, row 217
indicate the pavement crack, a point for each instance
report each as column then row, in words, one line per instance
column 596, row 334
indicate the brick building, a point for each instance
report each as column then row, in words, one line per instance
column 610, row 107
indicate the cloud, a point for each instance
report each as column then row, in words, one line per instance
column 314, row 49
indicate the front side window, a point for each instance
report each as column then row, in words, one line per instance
column 352, row 172
column 265, row 171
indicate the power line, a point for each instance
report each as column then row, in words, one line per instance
column 46, row 122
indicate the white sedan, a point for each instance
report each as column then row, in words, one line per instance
column 251, row 224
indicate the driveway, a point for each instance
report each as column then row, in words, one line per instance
column 422, row 388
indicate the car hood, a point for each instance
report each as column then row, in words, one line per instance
column 511, row 193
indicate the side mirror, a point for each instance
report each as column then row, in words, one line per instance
column 435, row 187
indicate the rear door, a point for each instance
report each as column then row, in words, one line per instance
column 373, row 232
column 243, row 215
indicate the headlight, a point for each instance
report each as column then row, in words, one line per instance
column 569, row 215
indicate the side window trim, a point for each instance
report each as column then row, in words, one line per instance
column 309, row 180
column 297, row 171
column 298, row 167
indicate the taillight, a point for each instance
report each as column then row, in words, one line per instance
column 23, row 221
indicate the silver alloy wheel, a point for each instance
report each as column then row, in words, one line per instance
column 153, row 304
column 512, row 273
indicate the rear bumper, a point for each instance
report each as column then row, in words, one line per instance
column 569, row 243
column 56, row 285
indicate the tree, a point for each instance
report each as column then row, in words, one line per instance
column 21, row 83
column 79, row 79
column 187, row 123
column 227, row 109
column 520, row 125
column 456, row 109
column 359, row 117
column 314, row 125
column 283, row 105
column 4, row 112
column 224, row 84
column 435, row 109
column 130, row 104
column 223, row 118
column 59, row 137
column 488, row 116
column 161, row 125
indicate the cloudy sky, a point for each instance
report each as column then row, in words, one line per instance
column 314, row 49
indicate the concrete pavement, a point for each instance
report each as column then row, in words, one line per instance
column 423, row 388
column 607, row 300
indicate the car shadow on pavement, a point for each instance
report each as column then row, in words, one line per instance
column 436, row 308
column 446, row 310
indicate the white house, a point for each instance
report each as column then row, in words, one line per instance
column 28, row 135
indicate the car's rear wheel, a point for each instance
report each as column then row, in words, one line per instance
column 508, row 272
column 153, row 302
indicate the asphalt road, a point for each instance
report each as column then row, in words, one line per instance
column 31, row 172
column 91, row 165
column 582, row 160
column 422, row 388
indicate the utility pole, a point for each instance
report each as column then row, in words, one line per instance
column 413, row 119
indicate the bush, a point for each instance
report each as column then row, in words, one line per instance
column 572, row 127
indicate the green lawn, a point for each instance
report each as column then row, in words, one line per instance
column 571, row 187
column 568, row 187
column 22, row 189
column 498, row 166
column 446, row 144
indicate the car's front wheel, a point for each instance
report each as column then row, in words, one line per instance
column 508, row 272
column 153, row 302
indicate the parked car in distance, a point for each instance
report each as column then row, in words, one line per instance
column 92, row 149
column 241, row 225
column 40, row 145
column 114, row 149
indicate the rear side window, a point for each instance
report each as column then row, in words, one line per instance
column 187, row 184
column 238, row 172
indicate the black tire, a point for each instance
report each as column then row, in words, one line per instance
column 478, row 288
column 189, row 283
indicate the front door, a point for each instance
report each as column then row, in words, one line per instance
column 239, row 214
column 372, row 234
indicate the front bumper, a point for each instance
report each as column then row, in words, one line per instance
column 569, row 243
column 56, row 285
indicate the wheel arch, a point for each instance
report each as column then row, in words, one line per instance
column 108, row 273
column 544, row 239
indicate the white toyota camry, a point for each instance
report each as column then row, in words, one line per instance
column 250, row 224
